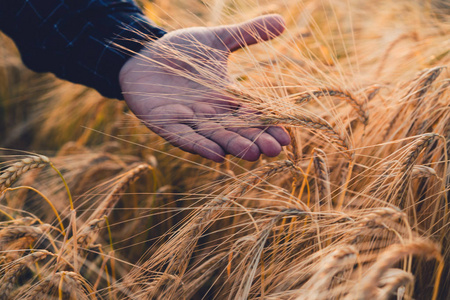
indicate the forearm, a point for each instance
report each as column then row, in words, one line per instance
column 75, row 39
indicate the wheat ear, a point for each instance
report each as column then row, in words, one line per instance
column 86, row 235
column 420, row 171
column 241, row 288
column 368, row 285
column 375, row 218
column 423, row 82
column 114, row 196
column 64, row 284
column 392, row 281
column 197, row 277
column 164, row 287
column 294, row 151
column 371, row 91
column 13, row 234
column 194, row 230
column 16, row 269
column 316, row 125
column 10, row 175
column 260, row 174
column 208, row 213
column 408, row 163
column 340, row 259
column 322, row 177
column 360, row 108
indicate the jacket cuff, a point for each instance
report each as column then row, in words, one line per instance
column 109, row 50
column 88, row 48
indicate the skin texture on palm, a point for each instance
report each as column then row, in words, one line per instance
column 176, row 85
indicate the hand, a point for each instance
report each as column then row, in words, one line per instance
column 176, row 86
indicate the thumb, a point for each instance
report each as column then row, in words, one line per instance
column 251, row 32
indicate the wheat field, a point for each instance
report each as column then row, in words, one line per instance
column 95, row 206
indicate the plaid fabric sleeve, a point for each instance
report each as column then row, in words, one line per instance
column 74, row 39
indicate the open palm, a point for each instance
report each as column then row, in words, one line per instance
column 176, row 85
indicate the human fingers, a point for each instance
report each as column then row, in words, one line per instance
column 173, row 122
column 251, row 32
column 231, row 142
column 185, row 138
column 219, row 105
column 266, row 143
column 280, row 134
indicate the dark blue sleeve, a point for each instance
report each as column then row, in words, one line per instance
column 74, row 38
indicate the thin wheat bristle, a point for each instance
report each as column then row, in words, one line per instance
column 10, row 175
column 317, row 287
column 16, row 269
column 419, row 144
column 391, row 46
column 368, row 285
column 194, row 229
column 241, row 288
column 392, row 281
column 408, row 163
column 360, row 108
column 260, row 174
column 235, row 92
column 197, row 277
column 315, row 125
column 69, row 285
column 108, row 204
